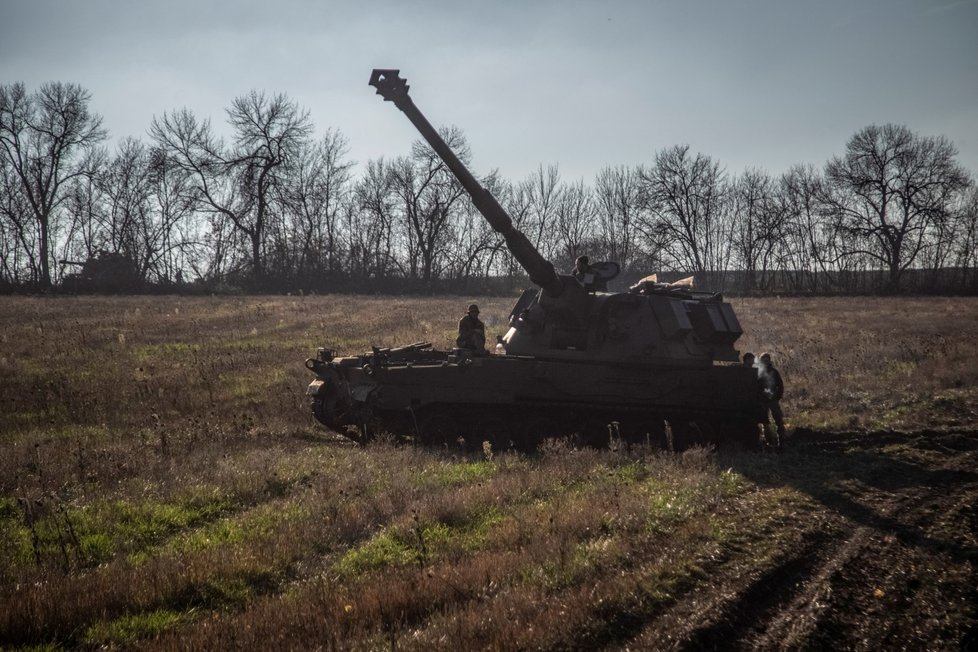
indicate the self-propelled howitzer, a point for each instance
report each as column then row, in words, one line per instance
column 573, row 361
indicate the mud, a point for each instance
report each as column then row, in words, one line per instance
column 886, row 558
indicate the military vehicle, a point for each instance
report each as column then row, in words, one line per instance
column 105, row 272
column 656, row 363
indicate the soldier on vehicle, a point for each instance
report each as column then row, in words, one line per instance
column 587, row 275
column 748, row 359
column 471, row 331
column 772, row 389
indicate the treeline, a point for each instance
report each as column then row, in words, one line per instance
column 274, row 207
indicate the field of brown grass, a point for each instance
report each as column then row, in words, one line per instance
column 163, row 485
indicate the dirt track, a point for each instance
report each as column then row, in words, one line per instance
column 886, row 559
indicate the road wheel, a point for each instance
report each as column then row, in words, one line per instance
column 324, row 411
column 594, row 433
column 533, row 430
column 651, row 432
column 493, row 430
column 742, row 434
column 682, row 434
column 439, row 429
column 707, row 433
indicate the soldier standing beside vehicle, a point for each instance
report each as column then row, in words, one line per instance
column 772, row 389
column 748, row 360
column 471, row 331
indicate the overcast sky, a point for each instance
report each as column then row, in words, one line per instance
column 752, row 83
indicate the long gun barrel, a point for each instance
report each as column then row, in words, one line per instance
column 394, row 89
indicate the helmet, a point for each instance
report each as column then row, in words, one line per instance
column 765, row 357
column 473, row 307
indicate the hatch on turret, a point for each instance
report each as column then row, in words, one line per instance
column 672, row 316
column 714, row 322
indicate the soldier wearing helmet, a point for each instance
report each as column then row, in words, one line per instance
column 772, row 389
column 471, row 331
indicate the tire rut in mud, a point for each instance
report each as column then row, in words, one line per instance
column 892, row 562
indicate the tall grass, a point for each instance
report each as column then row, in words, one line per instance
column 163, row 484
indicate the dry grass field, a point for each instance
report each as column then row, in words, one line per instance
column 164, row 486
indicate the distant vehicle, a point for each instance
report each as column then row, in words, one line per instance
column 644, row 365
column 105, row 272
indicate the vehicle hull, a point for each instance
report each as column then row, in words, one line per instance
column 462, row 394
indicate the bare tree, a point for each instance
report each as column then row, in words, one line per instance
column 542, row 191
column 126, row 221
column 889, row 189
column 517, row 199
column 312, row 201
column 687, row 201
column 966, row 243
column 810, row 242
column 473, row 244
column 134, row 207
column 496, row 258
column 429, row 199
column 47, row 138
column 618, row 203
column 576, row 215
column 20, row 259
column 759, row 231
column 81, row 236
column 239, row 183
column 180, row 231
column 369, row 223
column 188, row 147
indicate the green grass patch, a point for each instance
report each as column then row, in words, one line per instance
column 895, row 415
column 469, row 534
column 225, row 592
column 75, row 435
column 237, row 385
column 454, row 474
column 133, row 627
column 95, row 533
column 389, row 548
column 671, row 503
column 631, row 472
column 256, row 523
column 731, row 483
column 900, row 369
column 401, row 546
column 139, row 525
column 40, row 647
column 671, row 506
column 39, row 417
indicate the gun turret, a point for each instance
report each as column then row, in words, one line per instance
column 394, row 89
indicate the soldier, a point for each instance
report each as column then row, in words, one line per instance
column 471, row 331
column 748, row 361
column 586, row 274
column 772, row 389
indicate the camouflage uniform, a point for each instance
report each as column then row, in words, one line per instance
column 471, row 332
